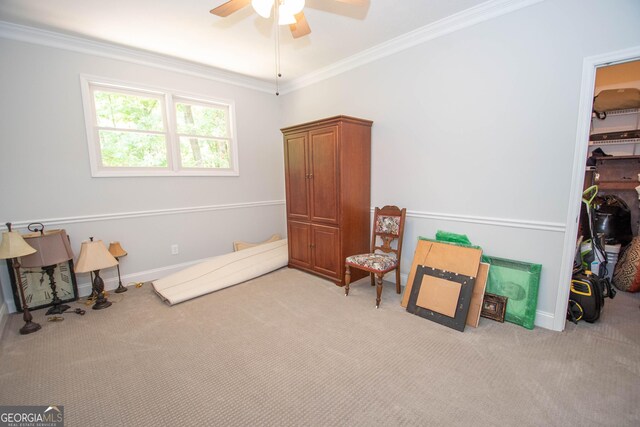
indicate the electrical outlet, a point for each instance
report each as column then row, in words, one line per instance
column 174, row 250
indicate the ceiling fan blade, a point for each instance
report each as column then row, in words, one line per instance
column 356, row 2
column 301, row 27
column 227, row 8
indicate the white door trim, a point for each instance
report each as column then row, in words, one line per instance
column 589, row 66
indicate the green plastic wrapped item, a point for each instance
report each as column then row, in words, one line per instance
column 519, row 282
column 448, row 237
column 453, row 238
column 447, row 242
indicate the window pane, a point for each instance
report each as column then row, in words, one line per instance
column 204, row 153
column 198, row 120
column 125, row 111
column 132, row 149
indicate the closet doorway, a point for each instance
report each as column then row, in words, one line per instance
column 606, row 72
column 614, row 143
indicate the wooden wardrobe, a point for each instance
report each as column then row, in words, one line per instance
column 328, row 189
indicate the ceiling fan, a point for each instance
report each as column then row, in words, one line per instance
column 288, row 12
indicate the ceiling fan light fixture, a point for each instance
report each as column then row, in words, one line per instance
column 286, row 19
column 287, row 9
column 262, row 7
column 292, row 6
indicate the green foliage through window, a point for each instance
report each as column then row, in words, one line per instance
column 197, row 120
column 133, row 132
column 204, row 153
column 122, row 111
column 133, row 149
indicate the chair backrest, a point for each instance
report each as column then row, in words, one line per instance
column 388, row 226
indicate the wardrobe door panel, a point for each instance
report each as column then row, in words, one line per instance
column 325, row 250
column 297, row 176
column 323, row 159
column 299, row 235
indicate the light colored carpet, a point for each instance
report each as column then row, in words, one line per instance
column 289, row 349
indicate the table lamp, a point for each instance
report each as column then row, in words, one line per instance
column 52, row 248
column 117, row 252
column 94, row 257
column 12, row 247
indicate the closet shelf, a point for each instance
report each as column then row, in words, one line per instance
column 615, row 142
column 618, row 158
column 618, row 185
column 623, row 112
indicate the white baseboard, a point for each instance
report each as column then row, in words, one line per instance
column 84, row 289
column 544, row 319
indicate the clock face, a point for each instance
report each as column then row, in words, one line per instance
column 37, row 287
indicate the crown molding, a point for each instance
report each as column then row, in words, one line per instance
column 464, row 19
column 22, row 33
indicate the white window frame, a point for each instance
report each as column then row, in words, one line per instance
column 168, row 98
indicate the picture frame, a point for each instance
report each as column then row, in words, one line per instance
column 460, row 307
column 494, row 307
column 520, row 282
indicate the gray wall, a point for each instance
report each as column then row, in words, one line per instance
column 45, row 173
column 474, row 131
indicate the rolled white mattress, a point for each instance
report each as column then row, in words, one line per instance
column 222, row 271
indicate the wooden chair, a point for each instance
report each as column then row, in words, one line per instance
column 388, row 226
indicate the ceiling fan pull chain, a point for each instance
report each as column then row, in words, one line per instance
column 277, row 50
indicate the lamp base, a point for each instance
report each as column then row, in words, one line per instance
column 98, row 287
column 58, row 309
column 29, row 328
column 120, row 289
column 101, row 304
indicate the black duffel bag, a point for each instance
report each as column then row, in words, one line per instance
column 612, row 218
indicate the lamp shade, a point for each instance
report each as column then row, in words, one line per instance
column 116, row 250
column 52, row 248
column 94, row 256
column 14, row 246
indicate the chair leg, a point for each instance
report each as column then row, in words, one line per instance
column 378, row 289
column 373, row 279
column 347, row 279
column 398, row 280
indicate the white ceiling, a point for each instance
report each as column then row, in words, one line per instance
column 244, row 42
